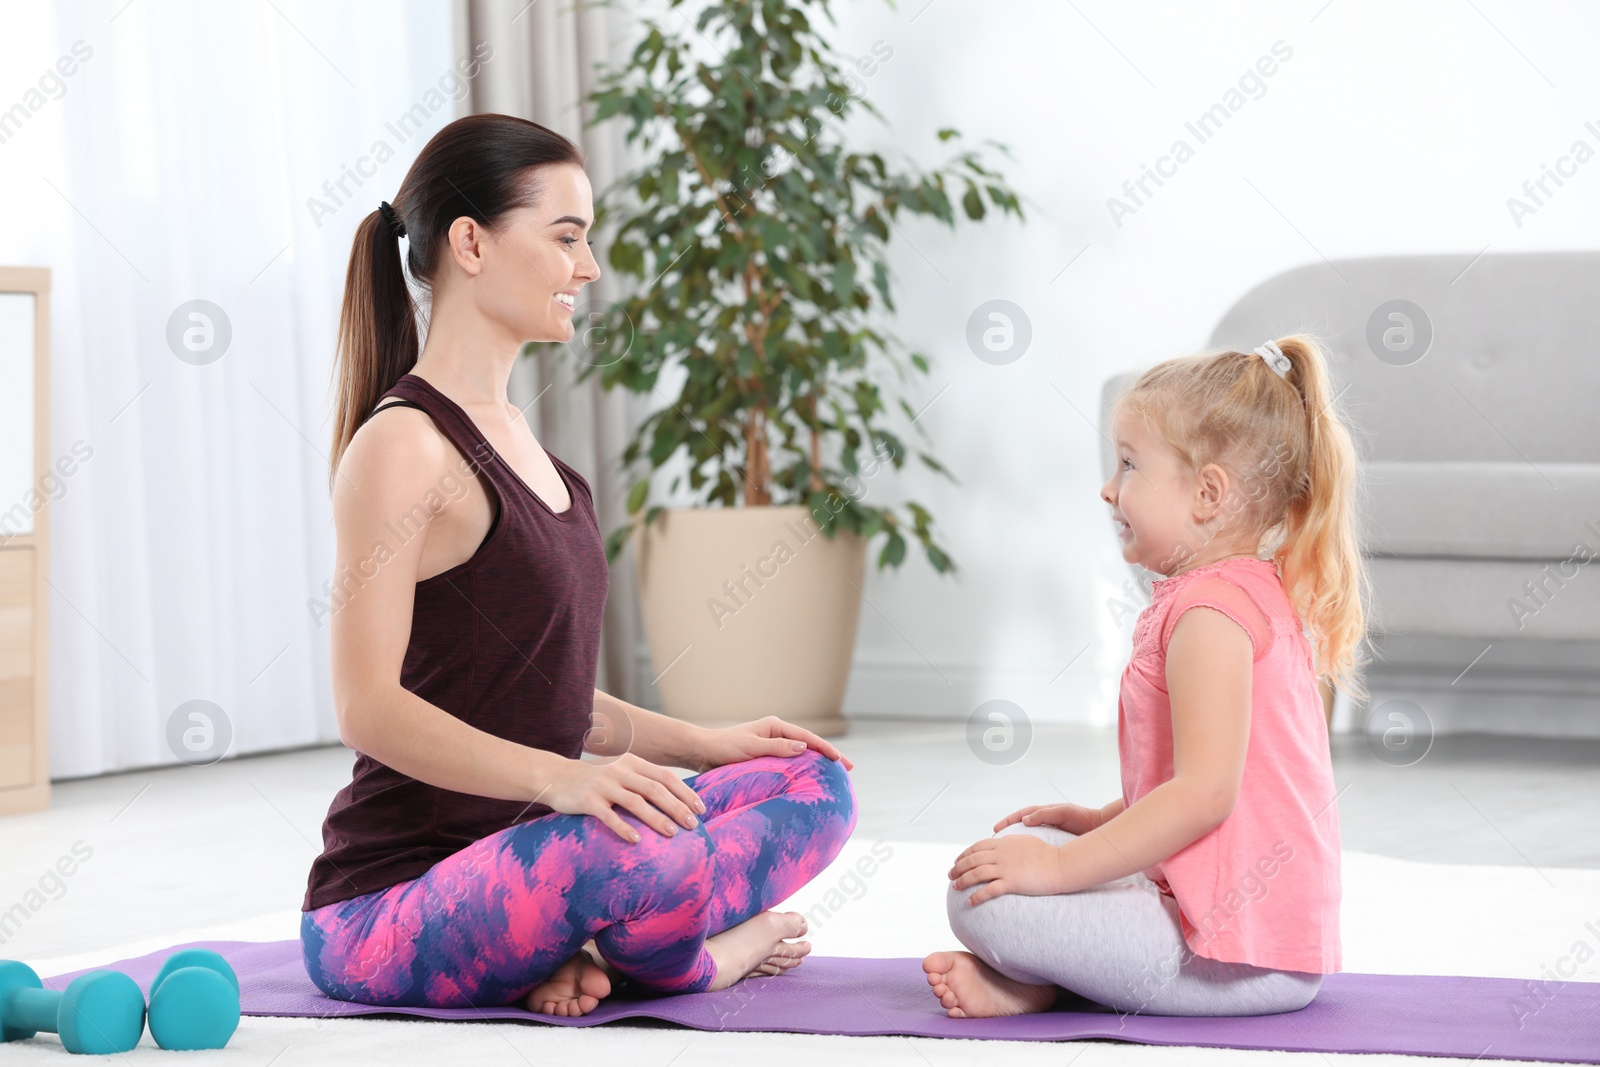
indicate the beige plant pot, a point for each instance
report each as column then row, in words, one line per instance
column 750, row 611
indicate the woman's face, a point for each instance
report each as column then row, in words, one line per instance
column 537, row 261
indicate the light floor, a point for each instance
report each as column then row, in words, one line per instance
column 182, row 853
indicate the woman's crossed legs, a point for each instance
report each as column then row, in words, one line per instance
column 487, row 925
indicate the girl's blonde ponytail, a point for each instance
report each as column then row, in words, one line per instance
column 1320, row 558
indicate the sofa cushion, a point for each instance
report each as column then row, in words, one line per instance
column 1481, row 510
column 1489, row 599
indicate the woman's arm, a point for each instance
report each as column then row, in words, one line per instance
column 394, row 470
column 1209, row 661
column 620, row 727
column 396, row 476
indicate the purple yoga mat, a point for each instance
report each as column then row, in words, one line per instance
column 1426, row 1015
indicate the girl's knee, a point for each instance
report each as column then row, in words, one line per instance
column 1053, row 835
column 976, row 925
column 1303, row 991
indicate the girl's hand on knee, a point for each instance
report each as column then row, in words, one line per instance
column 1073, row 818
column 1015, row 863
column 651, row 792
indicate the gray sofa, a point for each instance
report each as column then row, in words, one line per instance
column 1476, row 409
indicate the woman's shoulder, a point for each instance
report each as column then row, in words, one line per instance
column 394, row 458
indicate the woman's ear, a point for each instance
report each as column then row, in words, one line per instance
column 466, row 240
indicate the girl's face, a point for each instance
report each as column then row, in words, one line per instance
column 537, row 263
column 1156, row 502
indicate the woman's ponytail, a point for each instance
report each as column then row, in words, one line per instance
column 1320, row 557
column 377, row 330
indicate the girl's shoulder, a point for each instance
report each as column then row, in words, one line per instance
column 1255, row 575
column 1246, row 589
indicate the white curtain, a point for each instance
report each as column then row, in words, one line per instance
column 224, row 153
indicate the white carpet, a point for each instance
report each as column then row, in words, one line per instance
column 1399, row 917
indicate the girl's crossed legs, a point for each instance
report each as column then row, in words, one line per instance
column 1118, row 944
column 486, row 925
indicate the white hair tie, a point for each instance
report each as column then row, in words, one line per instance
column 1273, row 356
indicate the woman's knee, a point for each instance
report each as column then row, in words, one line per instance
column 590, row 853
column 828, row 775
column 684, row 854
column 822, row 784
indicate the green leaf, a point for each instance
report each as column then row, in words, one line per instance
column 636, row 495
column 973, row 203
column 844, row 279
column 894, row 551
column 615, row 542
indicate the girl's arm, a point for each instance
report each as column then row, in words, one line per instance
column 1112, row 810
column 1209, row 662
column 1073, row 818
column 620, row 727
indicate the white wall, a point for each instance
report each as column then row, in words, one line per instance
column 1390, row 129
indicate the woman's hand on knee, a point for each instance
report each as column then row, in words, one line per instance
column 1073, row 818
column 652, row 793
column 770, row 736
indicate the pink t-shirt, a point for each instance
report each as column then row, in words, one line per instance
column 1261, row 888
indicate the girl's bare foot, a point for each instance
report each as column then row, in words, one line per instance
column 576, row 987
column 971, row 989
column 757, row 946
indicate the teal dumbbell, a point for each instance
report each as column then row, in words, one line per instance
column 98, row 1012
column 194, row 1001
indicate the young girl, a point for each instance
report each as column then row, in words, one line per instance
column 1211, row 886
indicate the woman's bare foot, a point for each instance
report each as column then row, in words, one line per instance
column 757, row 945
column 971, row 989
column 576, row 987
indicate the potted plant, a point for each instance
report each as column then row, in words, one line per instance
column 760, row 240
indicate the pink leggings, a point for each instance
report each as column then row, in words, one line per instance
column 484, row 926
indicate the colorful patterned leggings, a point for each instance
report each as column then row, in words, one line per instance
column 484, row 926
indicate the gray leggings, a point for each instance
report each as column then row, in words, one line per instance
column 1118, row 944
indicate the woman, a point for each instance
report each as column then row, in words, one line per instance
column 475, row 858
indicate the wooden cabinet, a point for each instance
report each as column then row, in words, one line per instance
column 26, row 481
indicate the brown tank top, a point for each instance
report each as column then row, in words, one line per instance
column 507, row 641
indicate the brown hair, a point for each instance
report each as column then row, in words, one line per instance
column 481, row 167
column 1285, row 439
